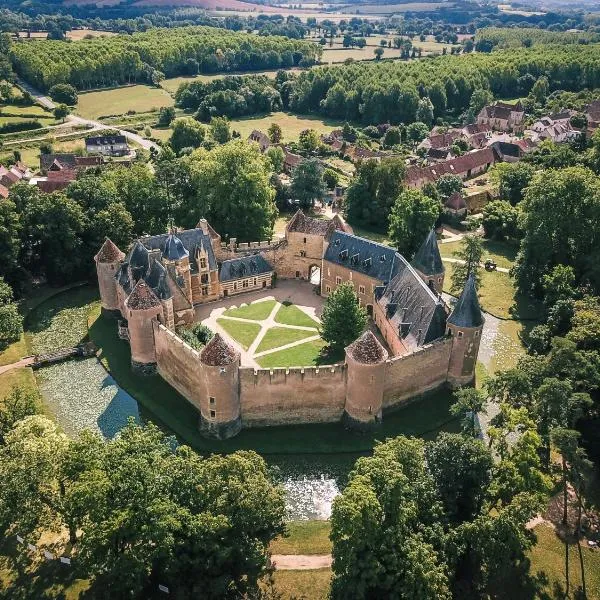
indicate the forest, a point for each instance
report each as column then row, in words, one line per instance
column 157, row 53
column 503, row 37
column 389, row 92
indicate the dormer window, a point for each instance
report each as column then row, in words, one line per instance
column 382, row 258
column 203, row 263
column 336, row 243
column 367, row 263
column 344, row 254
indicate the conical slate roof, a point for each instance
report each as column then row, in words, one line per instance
column 109, row 252
column 367, row 349
column 427, row 260
column 174, row 249
column 467, row 312
column 142, row 297
column 218, row 353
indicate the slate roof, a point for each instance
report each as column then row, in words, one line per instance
column 427, row 260
column 142, row 297
column 109, row 252
column 65, row 160
column 192, row 240
column 367, row 349
column 417, row 314
column 122, row 277
column 156, row 278
column 467, row 312
column 246, row 266
column 174, row 249
column 139, row 260
column 218, row 353
column 109, row 140
column 356, row 253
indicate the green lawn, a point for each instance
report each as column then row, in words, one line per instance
column 299, row 356
column 138, row 98
column 280, row 336
column 292, row 315
column 243, row 333
column 502, row 253
column 303, row 585
column 257, row 311
column 304, row 537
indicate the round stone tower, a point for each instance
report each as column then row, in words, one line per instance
column 141, row 308
column 465, row 325
column 365, row 361
column 220, row 411
column 428, row 263
column 108, row 261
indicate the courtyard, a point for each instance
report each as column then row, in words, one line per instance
column 276, row 327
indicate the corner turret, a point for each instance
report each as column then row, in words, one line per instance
column 220, row 411
column 465, row 325
column 365, row 360
column 176, row 254
column 108, row 261
column 428, row 263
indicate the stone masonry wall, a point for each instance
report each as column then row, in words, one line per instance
column 411, row 375
column 364, row 286
column 292, row 396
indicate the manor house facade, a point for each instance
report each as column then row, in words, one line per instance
column 155, row 287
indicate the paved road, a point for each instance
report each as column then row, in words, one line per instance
column 95, row 125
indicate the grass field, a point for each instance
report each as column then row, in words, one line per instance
column 292, row 315
column 138, row 98
column 299, row 356
column 243, row 333
column 502, row 253
column 280, row 336
column 304, row 537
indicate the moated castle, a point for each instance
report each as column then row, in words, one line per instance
column 157, row 285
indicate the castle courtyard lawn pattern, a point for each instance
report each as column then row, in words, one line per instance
column 243, row 333
column 307, row 354
column 257, row 311
column 281, row 336
column 289, row 314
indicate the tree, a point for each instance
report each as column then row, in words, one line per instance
column 187, row 133
column 343, row 319
column 480, row 98
column 307, row 183
column 21, row 402
column 276, row 156
column 373, row 191
column 500, row 220
column 412, row 218
column 309, row 140
column 166, row 115
column 378, row 52
column 392, row 137
column 230, row 187
column 512, row 179
column 330, row 178
column 417, row 132
column 540, row 90
column 11, row 321
column 10, row 236
column 448, row 185
column 469, row 403
column 469, row 254
column 219, row 129
column 61, row 112
column 275, row 133
column 425, row 111
column 64, row 93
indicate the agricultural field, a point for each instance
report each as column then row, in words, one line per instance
column 120, row 101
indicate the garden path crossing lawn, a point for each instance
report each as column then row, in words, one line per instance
column 281, row 336
column 257, row 311
column 288, row 314
column 138, row 98
column 243, row 333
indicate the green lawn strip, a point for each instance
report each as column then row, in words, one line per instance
column 304, row 537
column 310, row 584
column 243, row 333
column 280, row 336
column 257, row 311
column 292, row 315
column 303, row 355
column 548, row 562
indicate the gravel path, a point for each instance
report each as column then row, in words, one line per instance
column 301, row 562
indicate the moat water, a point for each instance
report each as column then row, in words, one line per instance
column 83, row 396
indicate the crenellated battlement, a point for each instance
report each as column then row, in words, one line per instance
column 291, row 375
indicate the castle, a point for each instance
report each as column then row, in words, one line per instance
column 157, row 285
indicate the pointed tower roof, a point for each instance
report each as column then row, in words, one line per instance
column 427, row 260
column 218, row 353
column 109, row 252
column 367, row 349
column 142, row 297
column 174, row 248
column 467, row 312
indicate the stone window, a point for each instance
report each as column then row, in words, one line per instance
column 245, row 283
column 211, row 401
column 439, row 280
column 297, row 274
column 477, row 334
column 204, row 278
column 305, row 240
column 254, row 282
column 361, row 289
column 338, row 280
column 234, row 285
column 303, row 253
column 203, row 263
column 460, row 334
column 213, row 414
column 327, row 289
column 205, row 291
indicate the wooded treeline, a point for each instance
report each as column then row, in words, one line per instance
column 504, row 37
column 389, row 92
column 157, row 53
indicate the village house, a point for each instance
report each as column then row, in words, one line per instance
column 502, row 116
column 9, row 176
column 455, row 206
column 555, row 128
column 108, row 145
column 262, row 139
column 592, row 113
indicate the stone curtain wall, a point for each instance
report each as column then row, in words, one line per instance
column 414, row 374
column 292, row 396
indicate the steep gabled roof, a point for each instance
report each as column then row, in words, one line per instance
column 156, row 278
column 245, row 266
column 367, row 349
column 174, row 249
column 427, row 260
column 467, row 312
column 218, row 353
column 456, row 202
column 138, row 260
column 142, row 297
column 109, row 252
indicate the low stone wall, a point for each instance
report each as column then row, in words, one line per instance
column 417, row 373
column 292, row 396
